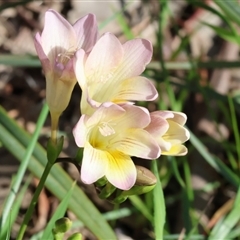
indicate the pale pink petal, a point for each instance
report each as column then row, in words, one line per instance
column 177, row 150
column 78, row 66
column 121, row 171
column 87, row 31
column 138, row 143
column 41, row 54
column 137, row 54
column 58, row 35
column 180, row 118
column 79, row 131
column 134, row 89
column 105, row 113
column 135, row 117
column 163, row 114
column 94, row 164
column 103, row 59
column 158, row 125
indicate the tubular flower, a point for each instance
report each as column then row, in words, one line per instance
column 110, row 136
column 56, row 47
column 167, row 128
column 111, row 72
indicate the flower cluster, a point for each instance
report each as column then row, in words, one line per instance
column 112, row 129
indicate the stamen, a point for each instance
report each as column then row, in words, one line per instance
column 64, row 57
column 106, row 129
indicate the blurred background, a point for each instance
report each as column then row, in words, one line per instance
column 196, row 69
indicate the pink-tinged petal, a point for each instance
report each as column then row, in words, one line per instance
column 163, row 114
column 58, row 36
column 180, row 118
column 105, row 113
column 176, row 150
column 138, row 143
column 78, row 66
column 94, row 164
column 158, row 125
column 135, row 89
column 176, row 133
column 135, row 117
column 137, row 54
column 41, row 54
column 121, row 171
column 103, row 59
column 79, row 131
column 87, row 32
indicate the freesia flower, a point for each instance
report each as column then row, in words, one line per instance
column 56, row 47
column 110, row 136
column 172, row 135
column 111, row 72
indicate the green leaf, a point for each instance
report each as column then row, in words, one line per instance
column 19, row 61
column 12, row 215
column 220, row 231
column 60, row 211
column 139, row 204
column 231, row 9
column 224, row 33
column 216, row 163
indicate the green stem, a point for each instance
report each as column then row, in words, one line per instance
column 54, row 126
column 33, row 203
column 159, row 205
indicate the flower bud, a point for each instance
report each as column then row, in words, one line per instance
column 62, row 225
column 75, row 236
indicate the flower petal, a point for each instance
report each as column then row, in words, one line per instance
column 158, row 125
column 106, row 112
column 41, row 54
column 138, row 143
column 176, row 133
column 86, row 31
column 178, row 117
column 137, row 54
column 103, row 59
column 94, row 164
column 58, row 35
column 79, row 131
column 121, row 171
column 78, row 65
column 135, row 89
column 176, row 150
column 135, row 117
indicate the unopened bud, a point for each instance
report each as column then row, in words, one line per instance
column 62, row 225
column 145, row 177
column 75, row 236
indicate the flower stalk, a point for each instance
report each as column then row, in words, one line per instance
column 33, row 203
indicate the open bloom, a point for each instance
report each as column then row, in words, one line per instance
column 56, row 47
column 111, row 72
column 172, row 135
column 110, row 136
